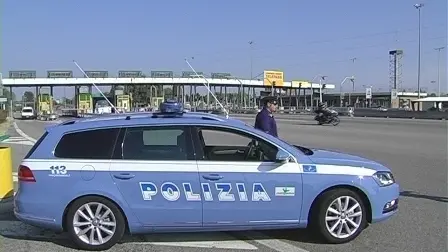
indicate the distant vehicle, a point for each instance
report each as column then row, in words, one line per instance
column 177, row 172
column 27, row 113
column 330, row 117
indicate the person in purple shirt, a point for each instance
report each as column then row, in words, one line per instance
column 265, row 119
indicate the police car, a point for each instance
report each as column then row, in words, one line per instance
column 171, row 171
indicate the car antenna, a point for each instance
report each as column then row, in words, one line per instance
column 207, row 85
column 84, row 73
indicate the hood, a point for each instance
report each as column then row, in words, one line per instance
column 326, row 157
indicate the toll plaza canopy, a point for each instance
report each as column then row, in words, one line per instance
column 270, row 78
column 155, row 81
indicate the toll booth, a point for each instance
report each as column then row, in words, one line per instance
column 124, row 103
column 155, row 101
column 85, row 103
column 45, row 104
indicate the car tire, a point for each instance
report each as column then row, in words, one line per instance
column 116, row 217
column 321, row 211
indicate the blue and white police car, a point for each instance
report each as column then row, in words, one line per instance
column 98, row 178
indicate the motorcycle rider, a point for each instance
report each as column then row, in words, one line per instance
column 322, row 110
column 265, row 119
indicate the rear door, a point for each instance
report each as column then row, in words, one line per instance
column 156, row 171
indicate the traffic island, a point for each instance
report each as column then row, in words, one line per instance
column 4, row 126
column 6, row 181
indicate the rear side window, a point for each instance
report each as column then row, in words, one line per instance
column 91, row 144
column 36, row 145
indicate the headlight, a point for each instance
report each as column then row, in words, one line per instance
column 384, row 178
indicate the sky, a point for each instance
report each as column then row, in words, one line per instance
column 303, row 38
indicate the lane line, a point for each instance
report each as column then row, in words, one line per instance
column 20, row 132
column 274, row 244
column 193, row 240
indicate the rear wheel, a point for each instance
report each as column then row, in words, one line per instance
column 339, row 216
column 95, row 223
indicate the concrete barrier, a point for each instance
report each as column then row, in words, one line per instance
column 434, row 115
column 6, row 180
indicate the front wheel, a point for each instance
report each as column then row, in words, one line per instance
column 336, row 121
column 339, row 216
column 95, row 223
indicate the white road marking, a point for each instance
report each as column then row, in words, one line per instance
column 274, row 244
column 15, row 177
column 194, row 240
column 199, row 240
column 18, row 140
column 20, row 132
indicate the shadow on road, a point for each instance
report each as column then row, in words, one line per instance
column 19, row 231
column 412, row 194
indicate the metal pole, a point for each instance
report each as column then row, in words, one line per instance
column 438, row 68
column 419, row 53
column 418, row 6
column 320, row 90
column 251, row 59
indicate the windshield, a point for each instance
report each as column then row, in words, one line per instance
column 27, row 110
column 306, row 151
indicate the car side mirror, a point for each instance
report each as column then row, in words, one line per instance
column 282, row 157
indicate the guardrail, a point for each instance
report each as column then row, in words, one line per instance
column 343, row 111
column 434, row 115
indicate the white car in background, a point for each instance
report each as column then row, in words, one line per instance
column 27, row 113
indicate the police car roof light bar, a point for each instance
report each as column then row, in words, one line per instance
column 84, row 73
column 207, row 85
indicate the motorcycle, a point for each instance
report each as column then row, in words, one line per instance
column 330, row 117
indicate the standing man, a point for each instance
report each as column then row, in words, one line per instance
column 265, row 119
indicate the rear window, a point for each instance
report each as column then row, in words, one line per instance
column 27, row 110
column 91, row 144
column 36, row 145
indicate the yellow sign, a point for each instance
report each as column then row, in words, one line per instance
column 300, row 84
column 273, row 78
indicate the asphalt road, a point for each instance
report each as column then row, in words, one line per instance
column 415, row 150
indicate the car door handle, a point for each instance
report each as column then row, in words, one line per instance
column 124, row 176
column 212, row 177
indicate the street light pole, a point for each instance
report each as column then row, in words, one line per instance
column 438, row 67
column 418, row 7
column 251, row 58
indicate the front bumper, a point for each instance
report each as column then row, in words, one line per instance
column 385, row 202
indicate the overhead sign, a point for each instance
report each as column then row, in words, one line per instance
column 368, row 93
column 191, row 74
column 273, row 78
column 130, row 74
column 59, row 74
column 97, row 74
column 220, row 75
column 22, row 74
column 300, row 84
column 393, row 94
column 161, row 74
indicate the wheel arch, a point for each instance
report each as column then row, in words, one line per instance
column 355, row 189
column 64, row 215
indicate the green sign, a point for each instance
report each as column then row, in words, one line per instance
column 161, row 74
column 130, row 74
column 191, row 74
column 221, row 75
column 97, row 74
column 59, row 74
column 22, row 74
